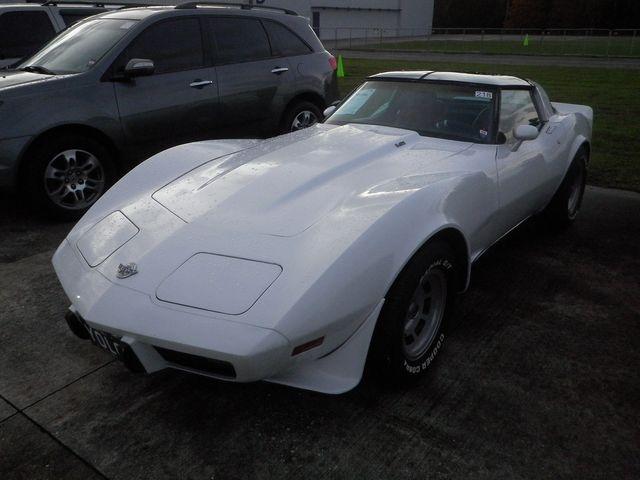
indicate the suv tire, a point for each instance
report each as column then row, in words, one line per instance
column 300, row 115
column 67, row 174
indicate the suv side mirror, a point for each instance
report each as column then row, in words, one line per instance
column 525, row 132
column 139, row 67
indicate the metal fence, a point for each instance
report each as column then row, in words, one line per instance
column 523, row 41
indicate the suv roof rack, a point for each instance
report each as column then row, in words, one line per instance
column 242, row 6
column 53, row 3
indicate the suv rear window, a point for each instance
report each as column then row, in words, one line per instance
column 173, row 45
column 284, row 42
column 23, row 33
column 238, row 39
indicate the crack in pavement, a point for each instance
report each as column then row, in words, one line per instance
column 21, row 412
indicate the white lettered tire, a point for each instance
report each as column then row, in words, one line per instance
column 412, row 328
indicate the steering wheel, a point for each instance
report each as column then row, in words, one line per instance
column 454, row 126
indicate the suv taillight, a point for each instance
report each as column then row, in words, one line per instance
column 333, row 63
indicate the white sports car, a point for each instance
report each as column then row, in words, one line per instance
column 298, row 259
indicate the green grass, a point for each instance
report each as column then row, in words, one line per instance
column 538, row 45
column 613, row 95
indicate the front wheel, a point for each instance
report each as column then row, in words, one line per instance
column 412, row 327
column 68, row 174
column 300, row 115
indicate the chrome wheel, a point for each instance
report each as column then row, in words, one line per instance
column 304, row 119
column 74, row 179
column 575, row 193
column 425, row 314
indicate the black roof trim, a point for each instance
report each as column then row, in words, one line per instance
column 55, row 3
column 493, row 80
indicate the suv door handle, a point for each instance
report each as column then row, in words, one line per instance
column 279, row 70
column 200, row 83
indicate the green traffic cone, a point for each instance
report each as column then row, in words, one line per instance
column 340, row 67
column 525, row 42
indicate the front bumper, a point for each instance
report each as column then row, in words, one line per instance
column 162, row 336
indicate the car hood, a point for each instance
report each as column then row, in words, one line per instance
column 281, row 224
column 282, row 187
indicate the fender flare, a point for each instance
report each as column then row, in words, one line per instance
column 453, row 235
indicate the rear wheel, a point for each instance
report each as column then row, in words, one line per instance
column 413, row 323
column 300, row 115
column 565, row 205
column 66, row 175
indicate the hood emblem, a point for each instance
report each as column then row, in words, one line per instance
column 126, row 270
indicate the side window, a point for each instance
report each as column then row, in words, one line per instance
column 516, row 108
column 284, row 42
column 173, row 45
column 23, row 33
column 238, row 39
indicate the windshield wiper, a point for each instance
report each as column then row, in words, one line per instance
column 37, row 69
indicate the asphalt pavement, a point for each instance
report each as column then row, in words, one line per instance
column 539, row 379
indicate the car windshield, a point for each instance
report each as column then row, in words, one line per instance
column 443, row 110
column 79, row 48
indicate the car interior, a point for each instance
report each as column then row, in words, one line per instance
column 436, row 110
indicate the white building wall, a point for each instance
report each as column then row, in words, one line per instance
column 360, row 18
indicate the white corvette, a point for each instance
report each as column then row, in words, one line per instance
column 297, row 259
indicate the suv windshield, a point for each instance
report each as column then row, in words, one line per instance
column 451, row 111
column 79, row 48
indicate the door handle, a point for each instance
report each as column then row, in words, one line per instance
column 279, row 70
column 200, row 83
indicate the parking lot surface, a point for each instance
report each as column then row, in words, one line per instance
column 539, row 379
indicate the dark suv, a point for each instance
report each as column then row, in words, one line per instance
column 120, row 86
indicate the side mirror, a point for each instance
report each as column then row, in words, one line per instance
column 329, row 110
column 139, row 67
column 523, row 133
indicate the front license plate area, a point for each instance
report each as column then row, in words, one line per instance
column 106, row 341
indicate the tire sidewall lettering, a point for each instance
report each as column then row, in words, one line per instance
column 423, row 365
column 415, row 368
column 442, row 263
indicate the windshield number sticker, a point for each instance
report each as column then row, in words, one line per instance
column 480, row 94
